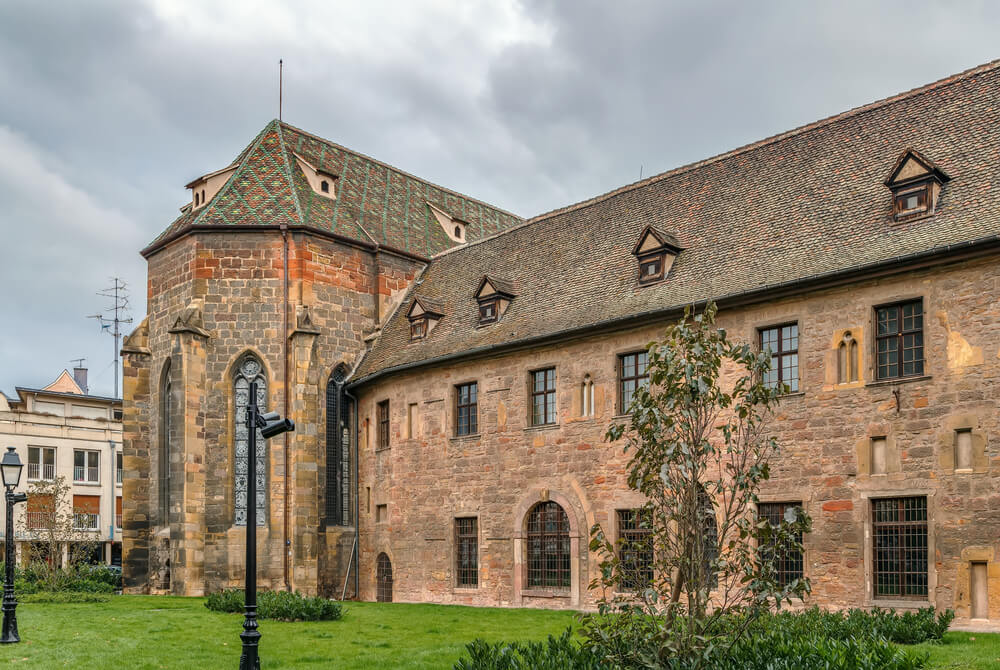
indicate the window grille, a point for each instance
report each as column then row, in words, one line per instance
column 467, row 551
column 899, row 544
column 899, row 340
column 548, row 547
column 543, row 397
column 338, row 451
column 783, row 343
column 788, row 562
column 383, row 579
column 635, row 551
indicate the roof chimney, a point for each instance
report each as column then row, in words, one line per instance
column 80, row 377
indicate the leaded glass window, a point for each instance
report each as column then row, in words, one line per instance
column 249, row 370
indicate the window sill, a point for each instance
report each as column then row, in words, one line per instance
column 544, row 426
column 897, row 380
column 465, row 589
column 379, row 451
column 544, row 593
column 900, row 603
column 76, row 483
column 793, row 394
column 465, row 438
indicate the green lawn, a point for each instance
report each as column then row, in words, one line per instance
column 167, row 632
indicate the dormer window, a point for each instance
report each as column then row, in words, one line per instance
column 207, row 186
column 453, row 227
column 656, row 252
column 423, row 315
column 916, row 184
column 494, row 296
column 322, row 182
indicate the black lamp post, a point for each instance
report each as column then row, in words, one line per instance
column 10, row 470
column 269, row 424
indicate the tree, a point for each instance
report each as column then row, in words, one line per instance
column 688, row 583
column 51, row 519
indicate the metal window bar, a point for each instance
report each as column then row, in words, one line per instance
column 632, row 374
column 788, row 563
column 383, row 424
column 338, row 481
column 383, row 579
column 783, row 343
column 899, row 340
column 85, row 521
column 543, row 397
column 899, row 546
column 467, row 409
column 635, row 549
column 467, row 551
column 548, row 547
column 78, row 473
column 118, row 521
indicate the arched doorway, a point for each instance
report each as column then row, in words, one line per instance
column 383, row 579
column 548, row 547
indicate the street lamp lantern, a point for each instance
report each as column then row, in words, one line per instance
column 10, row 471
column 269, row 424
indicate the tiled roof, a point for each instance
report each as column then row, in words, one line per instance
column 375, row 203
column 804, row 204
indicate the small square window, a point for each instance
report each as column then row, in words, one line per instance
column 488, row 311
column 651, row 269
column 418, row 328
column 911, row 202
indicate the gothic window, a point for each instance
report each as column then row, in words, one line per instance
column 338, row 451
column 847, row 359
column 383, row 579
column 783, row 344
column 787, row 563
column 249, row 370
column 548, row 547
column 899, row 544
column 587, row 396
column 899, row 340
column 166, row 434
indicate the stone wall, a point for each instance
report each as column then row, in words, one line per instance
column 212, row 298
column 426, row 479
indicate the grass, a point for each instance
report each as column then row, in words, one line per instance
column 143, row 632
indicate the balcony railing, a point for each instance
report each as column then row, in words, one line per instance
column 37, row 520
column 118, row 521
column 81, row 474
column 118, row 475
column 82, row 521
column 38, row 471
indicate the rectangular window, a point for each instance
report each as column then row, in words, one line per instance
column 899, row 547
column 383, row 424
column 118, row 512
column 411, row 420
column 787, row 561
column 86, row 466
column 381, row 513
column 41, row 512
column 963, row 449
column 635, row 549
column 651, row 268
column 488, row 311
column 118, row 467
column 418, row 329
column 467, row 551
column 910, row 202
column 543, row 397
column 899, row 340
column 783, row 343
column 41, row 463
column 879, row 456
column 86, row 512
column 632, row 374
column 467, row 409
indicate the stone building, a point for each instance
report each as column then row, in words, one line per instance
column 62, row 430
column 452, row 369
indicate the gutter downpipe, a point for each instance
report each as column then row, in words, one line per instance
column 284, row 348
column 357, row 496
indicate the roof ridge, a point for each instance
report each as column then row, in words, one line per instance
column 798, row 130
column 288, row 174
column 401, row 172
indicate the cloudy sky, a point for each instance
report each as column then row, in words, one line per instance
column 108, row 108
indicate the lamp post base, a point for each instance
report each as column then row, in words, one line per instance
column 249, row 660
column 9, row 626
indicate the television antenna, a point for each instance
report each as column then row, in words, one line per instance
column 114, row 316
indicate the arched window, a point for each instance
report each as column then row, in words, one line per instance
column 548, row 547
column 203, row 196
column 338, row 451
column 587, row 396
column 458, row 232
column 249, row 370
column 166, row 437
column 324, row 186
column 847, row 359
column 196, row 198
column 383, row 579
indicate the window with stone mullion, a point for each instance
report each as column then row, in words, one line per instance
column 543, row 397
column 250, row 370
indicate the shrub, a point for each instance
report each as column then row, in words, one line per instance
column 280, row 605
column 101, row 573
column 924, row 625
column 63, row 597
column 556, row 653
